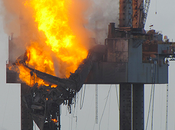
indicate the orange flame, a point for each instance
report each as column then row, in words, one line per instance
column 54, row 120
column 52, row 18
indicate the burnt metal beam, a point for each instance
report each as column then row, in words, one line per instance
column 64, row 83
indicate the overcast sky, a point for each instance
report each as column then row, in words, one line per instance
column 163, row 21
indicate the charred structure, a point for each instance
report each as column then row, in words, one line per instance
column 42, row 103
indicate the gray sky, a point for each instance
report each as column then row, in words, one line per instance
column 163, row 21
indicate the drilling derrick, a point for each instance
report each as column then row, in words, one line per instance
column 131, row 13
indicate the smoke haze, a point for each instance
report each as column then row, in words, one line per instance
column 102, row 13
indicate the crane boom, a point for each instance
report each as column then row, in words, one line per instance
column 146, row 8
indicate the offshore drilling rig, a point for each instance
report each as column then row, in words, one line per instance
column 130, row 57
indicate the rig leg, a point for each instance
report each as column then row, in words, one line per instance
column 138, row 106
column 125, row 106
column 59, row 123
column 26, row 118
column 131, row 107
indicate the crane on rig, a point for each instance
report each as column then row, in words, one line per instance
column 130, row 57
column 146, row 8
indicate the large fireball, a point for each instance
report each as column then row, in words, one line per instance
column 61, row 51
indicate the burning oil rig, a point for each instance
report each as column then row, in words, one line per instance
column 130, row 57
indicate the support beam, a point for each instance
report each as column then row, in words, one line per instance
column 138, row 106
column 131, row 107
column 125, row 106
column 59, row 119
column 26, row 117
